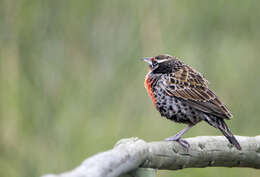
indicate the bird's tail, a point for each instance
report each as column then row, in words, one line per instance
column 222, row 126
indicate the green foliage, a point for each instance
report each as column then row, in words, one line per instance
column 71, row 79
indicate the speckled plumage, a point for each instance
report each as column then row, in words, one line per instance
column 181, row 94
column 173, row 108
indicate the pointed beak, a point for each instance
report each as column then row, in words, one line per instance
column 148, row 60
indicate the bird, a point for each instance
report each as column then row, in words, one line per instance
column 181, row 94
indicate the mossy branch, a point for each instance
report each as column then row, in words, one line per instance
column 205, row 151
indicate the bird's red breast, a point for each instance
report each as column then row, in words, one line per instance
column 148, row 82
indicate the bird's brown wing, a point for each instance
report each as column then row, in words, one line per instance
column 191, row 86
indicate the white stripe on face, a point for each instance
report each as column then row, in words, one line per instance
column 161, row 61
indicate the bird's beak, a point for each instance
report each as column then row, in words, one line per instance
column 148, row 60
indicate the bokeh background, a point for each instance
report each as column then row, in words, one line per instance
column 71, row 79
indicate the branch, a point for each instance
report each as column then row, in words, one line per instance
column 205, row 151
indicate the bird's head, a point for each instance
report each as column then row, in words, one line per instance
column 163, row 64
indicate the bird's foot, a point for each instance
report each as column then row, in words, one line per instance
column 173, row 138
column 184, row 143
column 181, row 141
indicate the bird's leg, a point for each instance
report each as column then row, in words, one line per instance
column 178, row 136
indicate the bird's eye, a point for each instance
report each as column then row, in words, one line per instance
column 154, row 63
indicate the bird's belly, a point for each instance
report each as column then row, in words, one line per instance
column 176, row 109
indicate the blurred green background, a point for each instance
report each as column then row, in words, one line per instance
column 71, row 79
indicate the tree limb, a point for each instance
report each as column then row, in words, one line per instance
column 205, row 151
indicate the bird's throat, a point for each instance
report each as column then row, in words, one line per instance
column 148, row 83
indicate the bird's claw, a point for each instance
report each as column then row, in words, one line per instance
column 181, row 141
column 184, row 143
